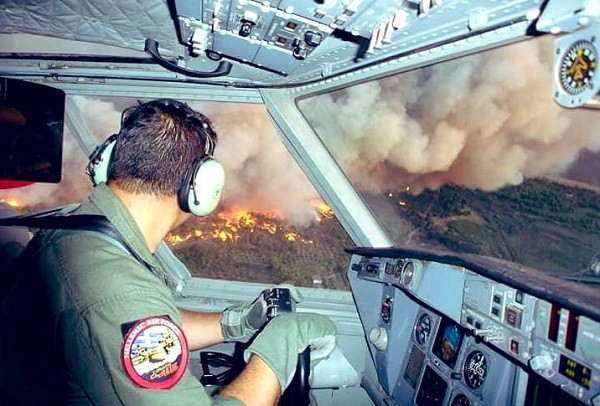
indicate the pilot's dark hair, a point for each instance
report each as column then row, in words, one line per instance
column 157, row 144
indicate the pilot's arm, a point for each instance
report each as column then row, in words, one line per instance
column 201, row 329
column 273, row 354
column 126, row 345
column 116, row 356
column 237, row 323
column 106, row 365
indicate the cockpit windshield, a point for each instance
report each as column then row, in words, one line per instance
column 473, row 155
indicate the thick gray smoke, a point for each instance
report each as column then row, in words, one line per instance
column 483, row 121
column 260, row 174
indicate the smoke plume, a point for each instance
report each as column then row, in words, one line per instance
column 260, row 174
column 483, row 121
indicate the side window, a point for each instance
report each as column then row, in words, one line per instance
column 74, row 185
column 271, row 226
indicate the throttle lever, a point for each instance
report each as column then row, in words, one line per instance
column 279, row 301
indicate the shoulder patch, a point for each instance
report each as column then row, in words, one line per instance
column 155, row 353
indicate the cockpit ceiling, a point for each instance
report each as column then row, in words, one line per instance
column 267, row 42
column 122, row 23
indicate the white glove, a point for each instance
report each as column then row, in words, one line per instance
column 286, row 336
column 241, row 321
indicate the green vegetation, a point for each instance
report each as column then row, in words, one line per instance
column 550, row 226
column 315, row 257
column 543, row 224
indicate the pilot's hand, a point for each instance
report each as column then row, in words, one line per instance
column 241, row 321
column 288, row 335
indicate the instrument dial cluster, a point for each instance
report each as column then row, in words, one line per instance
column 475, row 369
column 460, row 400
column 423, row 329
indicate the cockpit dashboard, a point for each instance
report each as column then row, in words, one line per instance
column 442, row 334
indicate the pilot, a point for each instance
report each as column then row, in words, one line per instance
column 93, row 320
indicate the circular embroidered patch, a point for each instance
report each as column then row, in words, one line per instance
column 155, row 353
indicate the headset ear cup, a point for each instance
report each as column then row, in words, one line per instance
column 184, row 190
column 99, row 163
column 202, row 187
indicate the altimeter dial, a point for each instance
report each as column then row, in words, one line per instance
column 460, row 400
column 423, row 329
column 408, row 273
column 475, row 369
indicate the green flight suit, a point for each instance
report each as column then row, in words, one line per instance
column 63, row 324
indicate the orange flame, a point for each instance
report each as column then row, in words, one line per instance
column 230, row 225
column 11, row 201
column 323, row 211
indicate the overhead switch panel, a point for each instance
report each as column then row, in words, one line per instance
column 276, row 35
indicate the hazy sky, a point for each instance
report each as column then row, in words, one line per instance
column 483, row 121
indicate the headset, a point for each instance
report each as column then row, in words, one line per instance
column 201, row 186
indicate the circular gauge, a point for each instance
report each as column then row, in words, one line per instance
column 408, row 272
column 460, row 400
column 475, row 369
column 577, row 67
column 423, row 329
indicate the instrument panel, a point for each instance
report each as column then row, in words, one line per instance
column 448, row 366
column 443, row 334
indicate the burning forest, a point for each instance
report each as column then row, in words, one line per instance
column 12, row 202
column 243, row 245
column 263, row 247
column 230, row 225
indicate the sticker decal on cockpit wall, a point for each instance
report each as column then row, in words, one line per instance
column 155, row 353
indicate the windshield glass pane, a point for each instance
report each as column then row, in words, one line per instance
column 271, row 225
column 474, row 156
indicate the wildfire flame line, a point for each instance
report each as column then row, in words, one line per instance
column 232, row 223
column 323, row 210
column 12, row 202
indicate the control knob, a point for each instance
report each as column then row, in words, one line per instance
column 489, row 334
column 541, row 362
column 378, row 337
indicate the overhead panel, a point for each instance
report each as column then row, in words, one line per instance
column 267, row 34
column 278, row 35
column 189, row 9
column 324, row 12
column 280, row 42
column 313, row 39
